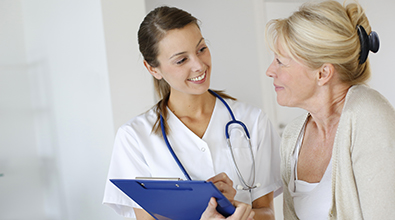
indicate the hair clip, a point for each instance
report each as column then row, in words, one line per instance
column 369, row 42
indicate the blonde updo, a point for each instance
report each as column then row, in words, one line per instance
column 324, row 32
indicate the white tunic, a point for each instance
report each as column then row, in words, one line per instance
column 139, row 153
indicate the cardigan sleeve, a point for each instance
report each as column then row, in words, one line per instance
column 373, row 154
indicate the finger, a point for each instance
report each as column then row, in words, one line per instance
column 221, row 177
column 222, row 186
column 238, row 214
column 243, row 211
column 228, row 191
column 251, row 217
column 247, row 212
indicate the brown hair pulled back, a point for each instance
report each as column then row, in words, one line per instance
column 152, row 30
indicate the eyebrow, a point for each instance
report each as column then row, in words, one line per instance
column 180, row 53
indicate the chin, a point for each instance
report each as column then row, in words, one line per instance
column 205, row 86
column 282, row 102
column 201, row 90
column 279, row 101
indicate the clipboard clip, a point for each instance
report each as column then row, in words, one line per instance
column 159, row 178
column 154, row 184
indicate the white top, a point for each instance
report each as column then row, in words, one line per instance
column 139, row 153
column 312, row 201
column 363, row 174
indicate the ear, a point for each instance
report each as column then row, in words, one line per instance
column 325, row 74
column 155, row 72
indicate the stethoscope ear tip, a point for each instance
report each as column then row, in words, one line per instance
column 239, row 187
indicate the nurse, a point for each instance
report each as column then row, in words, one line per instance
column 177, row 56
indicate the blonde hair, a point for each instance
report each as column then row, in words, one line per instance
column 324, row 32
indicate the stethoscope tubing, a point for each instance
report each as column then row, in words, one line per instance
column 171, row 149
column 233, row 121
column 236, row 122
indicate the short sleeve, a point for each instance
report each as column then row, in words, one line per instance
column 127, row 162
column 267, row 158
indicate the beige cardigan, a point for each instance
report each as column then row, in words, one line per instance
column 363, row 158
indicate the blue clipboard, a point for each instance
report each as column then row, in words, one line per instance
column 173, row 199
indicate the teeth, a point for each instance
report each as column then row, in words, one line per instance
column 198, row 78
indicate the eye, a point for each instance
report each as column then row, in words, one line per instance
column 278, row 61
column 181, row 61
column 202, row 49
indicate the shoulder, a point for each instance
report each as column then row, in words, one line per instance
column 142, row 123
column 367, row 115
column 362, row 98
column 242, row 109
column 251, row 115
column 363, row 101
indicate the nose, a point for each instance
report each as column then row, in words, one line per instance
column 197, row 64
column 270, row 72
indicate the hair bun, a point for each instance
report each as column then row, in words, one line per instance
column 369, row 42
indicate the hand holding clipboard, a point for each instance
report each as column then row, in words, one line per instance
column 243, row 212
column 172, row 199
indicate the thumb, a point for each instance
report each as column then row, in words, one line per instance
column 211, row 208
column 210, row 211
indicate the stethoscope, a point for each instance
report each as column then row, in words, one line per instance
column 246, row 134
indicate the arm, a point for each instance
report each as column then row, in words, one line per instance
column 364, row 151
column 141, row 214
column 264, row 207
column 373, row 167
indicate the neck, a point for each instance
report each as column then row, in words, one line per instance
column 326, row 112
column 193, row 106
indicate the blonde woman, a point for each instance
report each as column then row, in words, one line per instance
column 338, row 160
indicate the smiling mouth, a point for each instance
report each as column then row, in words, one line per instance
column 198, row 78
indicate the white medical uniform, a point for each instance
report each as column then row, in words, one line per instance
column 140, row 153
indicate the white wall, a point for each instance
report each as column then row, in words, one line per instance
column 20, row 183
column 57, row 131
column 132, row 90
column 71, row 74
column 381, row 17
